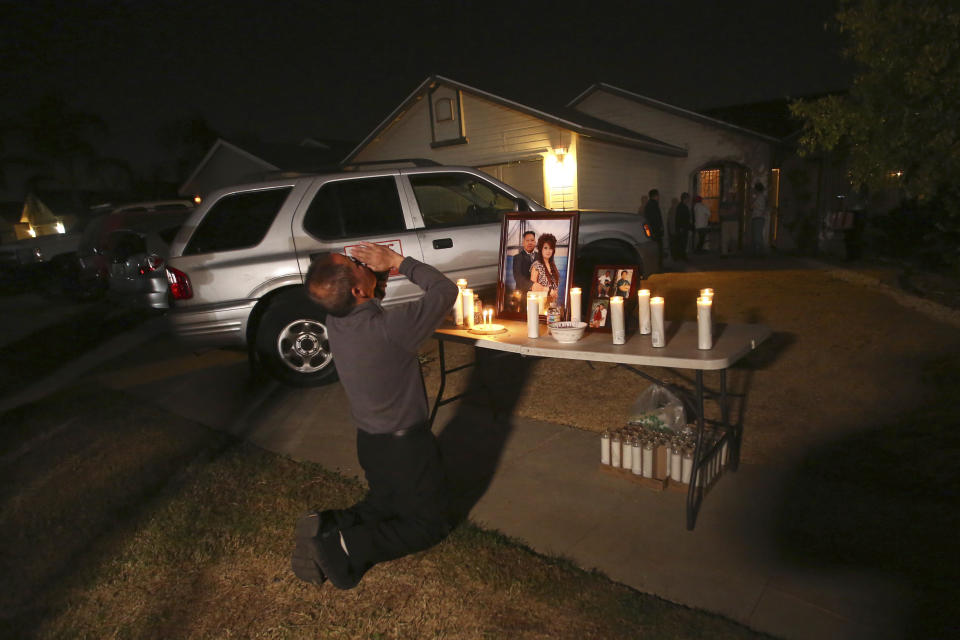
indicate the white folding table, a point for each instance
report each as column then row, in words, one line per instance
column 731, row 343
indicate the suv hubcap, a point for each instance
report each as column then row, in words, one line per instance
column 304, row 347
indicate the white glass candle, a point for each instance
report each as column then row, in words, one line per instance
column 533, row 315
column 704, row 323
column 605, row 448
column 637, row 457
column 575, row 295
column 706, row 293
column 643, row 297
column 648, row 460
column 468, row 307
column 676, row 470
column 615, row 451
column 626, row 460
column 458, row 307
column 686, row 467
column 616, row 320
column 657, row 335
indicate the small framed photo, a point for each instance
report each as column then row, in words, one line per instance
column 611, row 280
column 536, row 254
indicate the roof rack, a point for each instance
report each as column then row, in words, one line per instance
column 417, row 162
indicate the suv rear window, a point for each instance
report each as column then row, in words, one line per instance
column 237, row 221
column 360, row 207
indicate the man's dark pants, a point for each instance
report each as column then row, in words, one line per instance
column 405, row 509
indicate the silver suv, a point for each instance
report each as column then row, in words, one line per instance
column 236, row 266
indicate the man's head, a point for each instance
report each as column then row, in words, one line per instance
column 623, row 274
column 338, row 283
column 529, row 241
column 684, row 197
column 654, row 194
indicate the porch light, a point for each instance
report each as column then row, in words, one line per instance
column 197, row 199
column 59, row 227
column 31, row 231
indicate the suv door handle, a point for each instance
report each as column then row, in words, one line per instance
column 443, row 243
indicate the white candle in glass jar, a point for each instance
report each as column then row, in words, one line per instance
column 626, row 460
column 533, row 315
column 615, row 451
column 605, row 448
column 458, row 307
column 575, row 295
column 657, row 335
column 643, row 296
column 686, row 466
column 468, row 307
column 637, row 457
column 616, row 320
column 704, row 323
column 676, row 473
column 648, row 460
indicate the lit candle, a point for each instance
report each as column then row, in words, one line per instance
column 706, row 293
column 644, row 298
column 458, row 307
column 704, row 323
column 616, row 320
column 468, row 307
column 657, row 337
column 686, row 466
column 615, row 450
column 626, row 461
column 605, row 448
column 533, row 315
column 575, row 294
column 488, row 317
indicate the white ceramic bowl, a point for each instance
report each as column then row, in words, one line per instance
column 567, row 331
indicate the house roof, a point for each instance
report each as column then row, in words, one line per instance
column 565, row 117
column 671, row 109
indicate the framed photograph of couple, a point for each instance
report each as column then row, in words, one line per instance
column 611, row 280
column 536, row 254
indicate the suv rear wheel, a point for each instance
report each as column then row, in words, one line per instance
column 292, row 343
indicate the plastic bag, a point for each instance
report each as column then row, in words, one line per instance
column 659, row 409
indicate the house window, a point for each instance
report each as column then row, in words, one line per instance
column 443, row 109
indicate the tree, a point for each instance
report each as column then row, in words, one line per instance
column 900, row 120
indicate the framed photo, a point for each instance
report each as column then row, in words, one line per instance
column 611, row 280
column 536, row 254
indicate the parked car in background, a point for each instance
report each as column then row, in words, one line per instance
column 237, row 265
column 123, row 252
column 47, row 256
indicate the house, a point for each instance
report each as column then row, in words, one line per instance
column 227, row 163
column 603, row 151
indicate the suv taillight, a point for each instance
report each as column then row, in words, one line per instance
column 646, row 230
column 180, row 287
column 151, row 263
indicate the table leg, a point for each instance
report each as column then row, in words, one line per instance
column 443, row 382
column 693, row 493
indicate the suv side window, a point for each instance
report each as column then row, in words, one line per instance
column 359, row 207
column 454, row 199
column 237, row 221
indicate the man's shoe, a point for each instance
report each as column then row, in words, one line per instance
column 307, row 549
column 333, row 560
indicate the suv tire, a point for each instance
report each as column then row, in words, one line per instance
column 292, row 344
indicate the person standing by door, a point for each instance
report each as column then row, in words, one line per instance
column 701, row 219
column 684, row 225
column 655, row 220
column 758, row 219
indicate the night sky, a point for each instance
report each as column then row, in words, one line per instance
column 285, row 70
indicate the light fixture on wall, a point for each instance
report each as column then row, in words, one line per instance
column 59, row 227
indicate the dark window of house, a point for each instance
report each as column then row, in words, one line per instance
column 237, row 221
column 453, row 199
column 347, row 208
